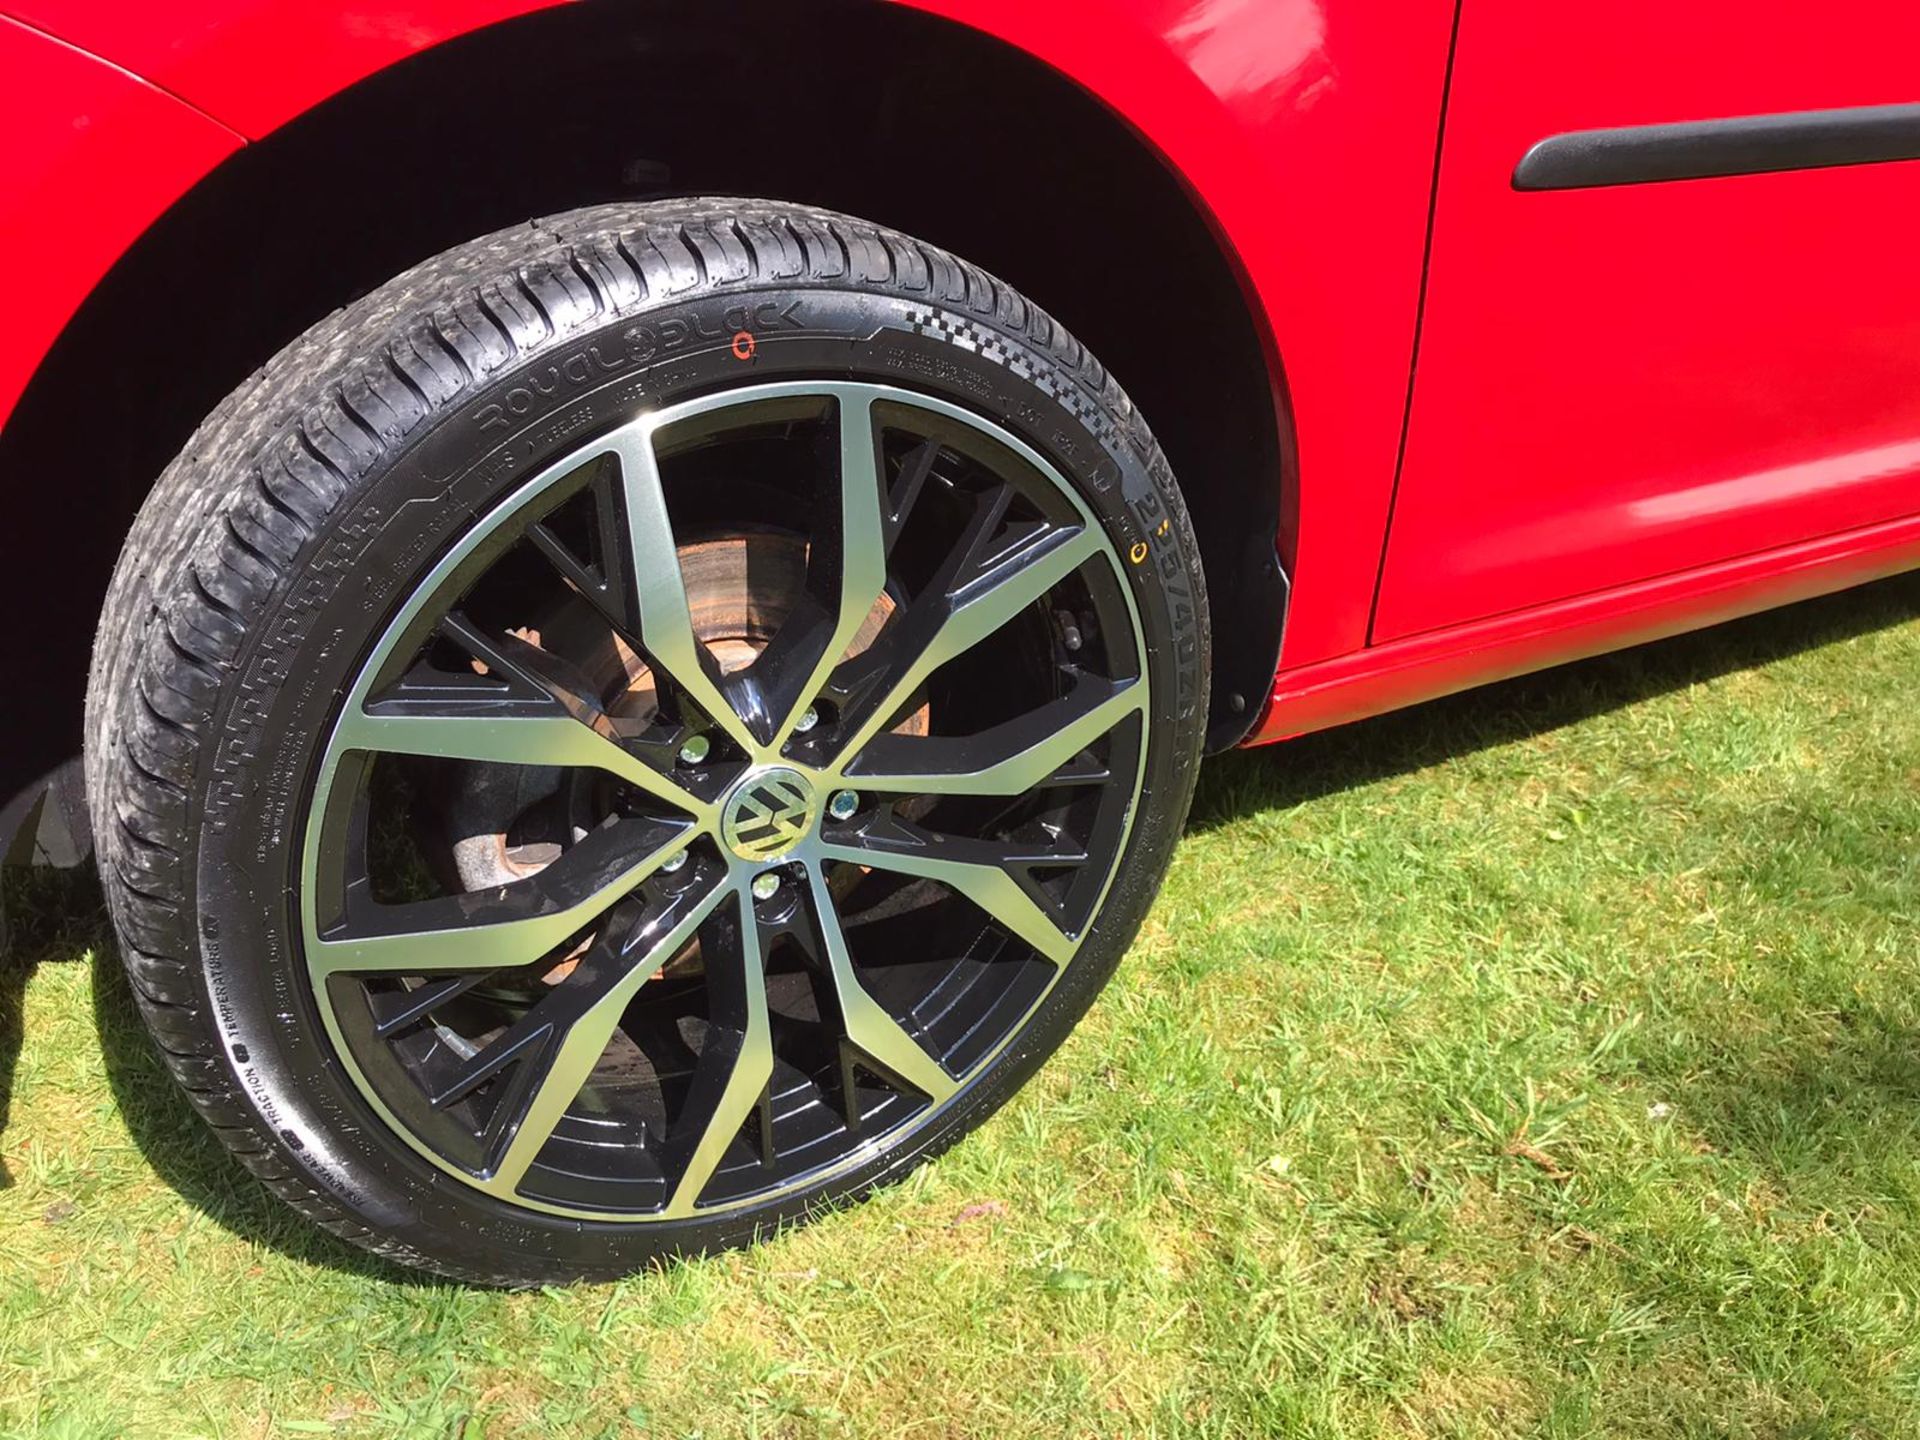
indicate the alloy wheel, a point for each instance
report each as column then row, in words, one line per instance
column 750, row 904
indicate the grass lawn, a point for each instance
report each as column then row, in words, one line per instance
column 1544, row 1061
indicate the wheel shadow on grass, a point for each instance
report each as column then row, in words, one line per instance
column 1329, row 762
column 187, row 1156
column 59, row 916
column 50, row 916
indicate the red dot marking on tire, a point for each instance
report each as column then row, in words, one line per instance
column 744, row 345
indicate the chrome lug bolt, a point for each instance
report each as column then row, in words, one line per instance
column 766, row 886
column 677, row 862
column 843, row 804
column 809, row 718
column 695, row 750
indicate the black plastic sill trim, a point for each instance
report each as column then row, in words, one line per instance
column 1703, row 149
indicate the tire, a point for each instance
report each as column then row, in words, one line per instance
column 307, row 588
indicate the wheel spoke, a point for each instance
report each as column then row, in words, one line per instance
column 947, row 624
column 861, row 563
column 1009, row 759
column 735, row 1065
column 559, row 723
column 916, row 468
column 569, row 1030
column 395, row 1013
column 666, row 621
column 528, row 669
column 598, row 578
column 501, row 929
column 511, row 740
column 866, row 1023
column 985, row 883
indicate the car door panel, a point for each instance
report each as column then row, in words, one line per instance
column 1627, row 381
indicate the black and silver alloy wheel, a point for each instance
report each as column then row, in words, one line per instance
column 876, row 913
column 623, row 752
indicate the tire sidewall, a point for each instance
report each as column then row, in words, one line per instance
column 412, row 504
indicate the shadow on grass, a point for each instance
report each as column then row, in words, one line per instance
column 59, row 917
column 1804, row 1101
column 186, row 1154
column 63, row 916
column 53, row 915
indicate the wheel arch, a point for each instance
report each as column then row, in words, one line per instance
column 539, row 114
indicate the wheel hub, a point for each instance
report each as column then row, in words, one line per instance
column 769, row 812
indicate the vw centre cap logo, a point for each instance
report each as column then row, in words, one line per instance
column 769, row 812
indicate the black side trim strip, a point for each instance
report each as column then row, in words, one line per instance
column 1698, row 150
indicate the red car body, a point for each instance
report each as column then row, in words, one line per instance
column 1521, row 423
